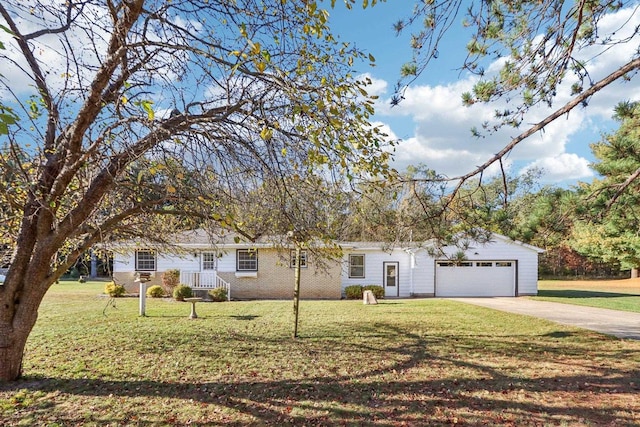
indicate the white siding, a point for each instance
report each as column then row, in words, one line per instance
column 123, row 262
column 503, row 249
column 419, row 279
column 423, row 274
column 374, row 270
column 183, row 262
column 227, row 262
column 127, row 262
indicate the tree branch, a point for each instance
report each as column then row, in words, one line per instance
column 578, row 100
column 622, row 187
column 65, row 27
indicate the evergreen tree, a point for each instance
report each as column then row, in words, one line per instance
column 610, row 226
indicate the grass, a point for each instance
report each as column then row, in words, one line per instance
column 621, row 294
column 401, row 362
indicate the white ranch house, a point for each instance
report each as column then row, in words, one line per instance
column 501, row 267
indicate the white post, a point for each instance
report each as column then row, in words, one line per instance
column 143, row 298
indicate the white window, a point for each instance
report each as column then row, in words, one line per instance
column 247, row 260
column 303, row 259
column 503, row 264
column 484, row 264
column 445, row 264
column 209, row 260
column 356, row 266
column 145, row 260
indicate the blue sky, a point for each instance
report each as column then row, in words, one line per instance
column 434, row 126
column 431, row 122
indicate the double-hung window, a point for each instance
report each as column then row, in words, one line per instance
column 145, row 260
column 247, row 260
column 356, row 266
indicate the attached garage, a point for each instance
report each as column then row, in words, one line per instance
column 498, row 267
column 479, row 278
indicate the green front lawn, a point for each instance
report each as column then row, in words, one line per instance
column 612, row 294
column 402, row 362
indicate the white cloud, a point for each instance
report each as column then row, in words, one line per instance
column 69, row 61
column 441, row 136
column 377, row 87
column 51, row 51
column 564, row 167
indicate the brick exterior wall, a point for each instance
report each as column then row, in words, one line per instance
column 127, row 279
column 275, row 280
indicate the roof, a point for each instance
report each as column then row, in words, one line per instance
column 200, row 238
column 517, row 242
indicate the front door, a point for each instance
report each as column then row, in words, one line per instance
column 391, row 285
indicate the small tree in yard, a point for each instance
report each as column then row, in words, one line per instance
column 170, row 279
column 130, row 119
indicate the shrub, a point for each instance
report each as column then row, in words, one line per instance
column 353, row 292
column 378, row 291
column 181, row 292
column 218, row 294
column 114, row 290
column 155, row 291
column 170, row 279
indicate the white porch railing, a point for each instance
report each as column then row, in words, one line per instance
column 204, row 280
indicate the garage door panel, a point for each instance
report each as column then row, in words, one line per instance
column 477, row 278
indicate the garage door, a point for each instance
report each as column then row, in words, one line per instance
column 475, row 279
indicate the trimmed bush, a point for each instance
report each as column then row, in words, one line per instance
column 353, row 292
column 181, row 292
column 218, row 294
column 170, row 279
column 114, row 290
column 378, row 291
column 155, row 291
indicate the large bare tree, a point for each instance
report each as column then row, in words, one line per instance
column 126, row 118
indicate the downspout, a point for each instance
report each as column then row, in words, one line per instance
column 412, row 266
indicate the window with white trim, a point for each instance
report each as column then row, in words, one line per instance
column 303, row 259
column 445, row 264
column 209, row 260
column 247, row 260
column 356, row 266
column 145, row 260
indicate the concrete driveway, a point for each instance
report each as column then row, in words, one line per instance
column 622, row 324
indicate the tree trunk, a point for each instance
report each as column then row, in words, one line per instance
column 12, row 342
column 18, row 315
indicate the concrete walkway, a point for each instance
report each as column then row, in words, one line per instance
column 622, row 324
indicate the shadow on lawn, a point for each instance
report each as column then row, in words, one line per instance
column 386, row 403
column 244, row 316
column 570, row 293
column 484, row 393
column 559, row 334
